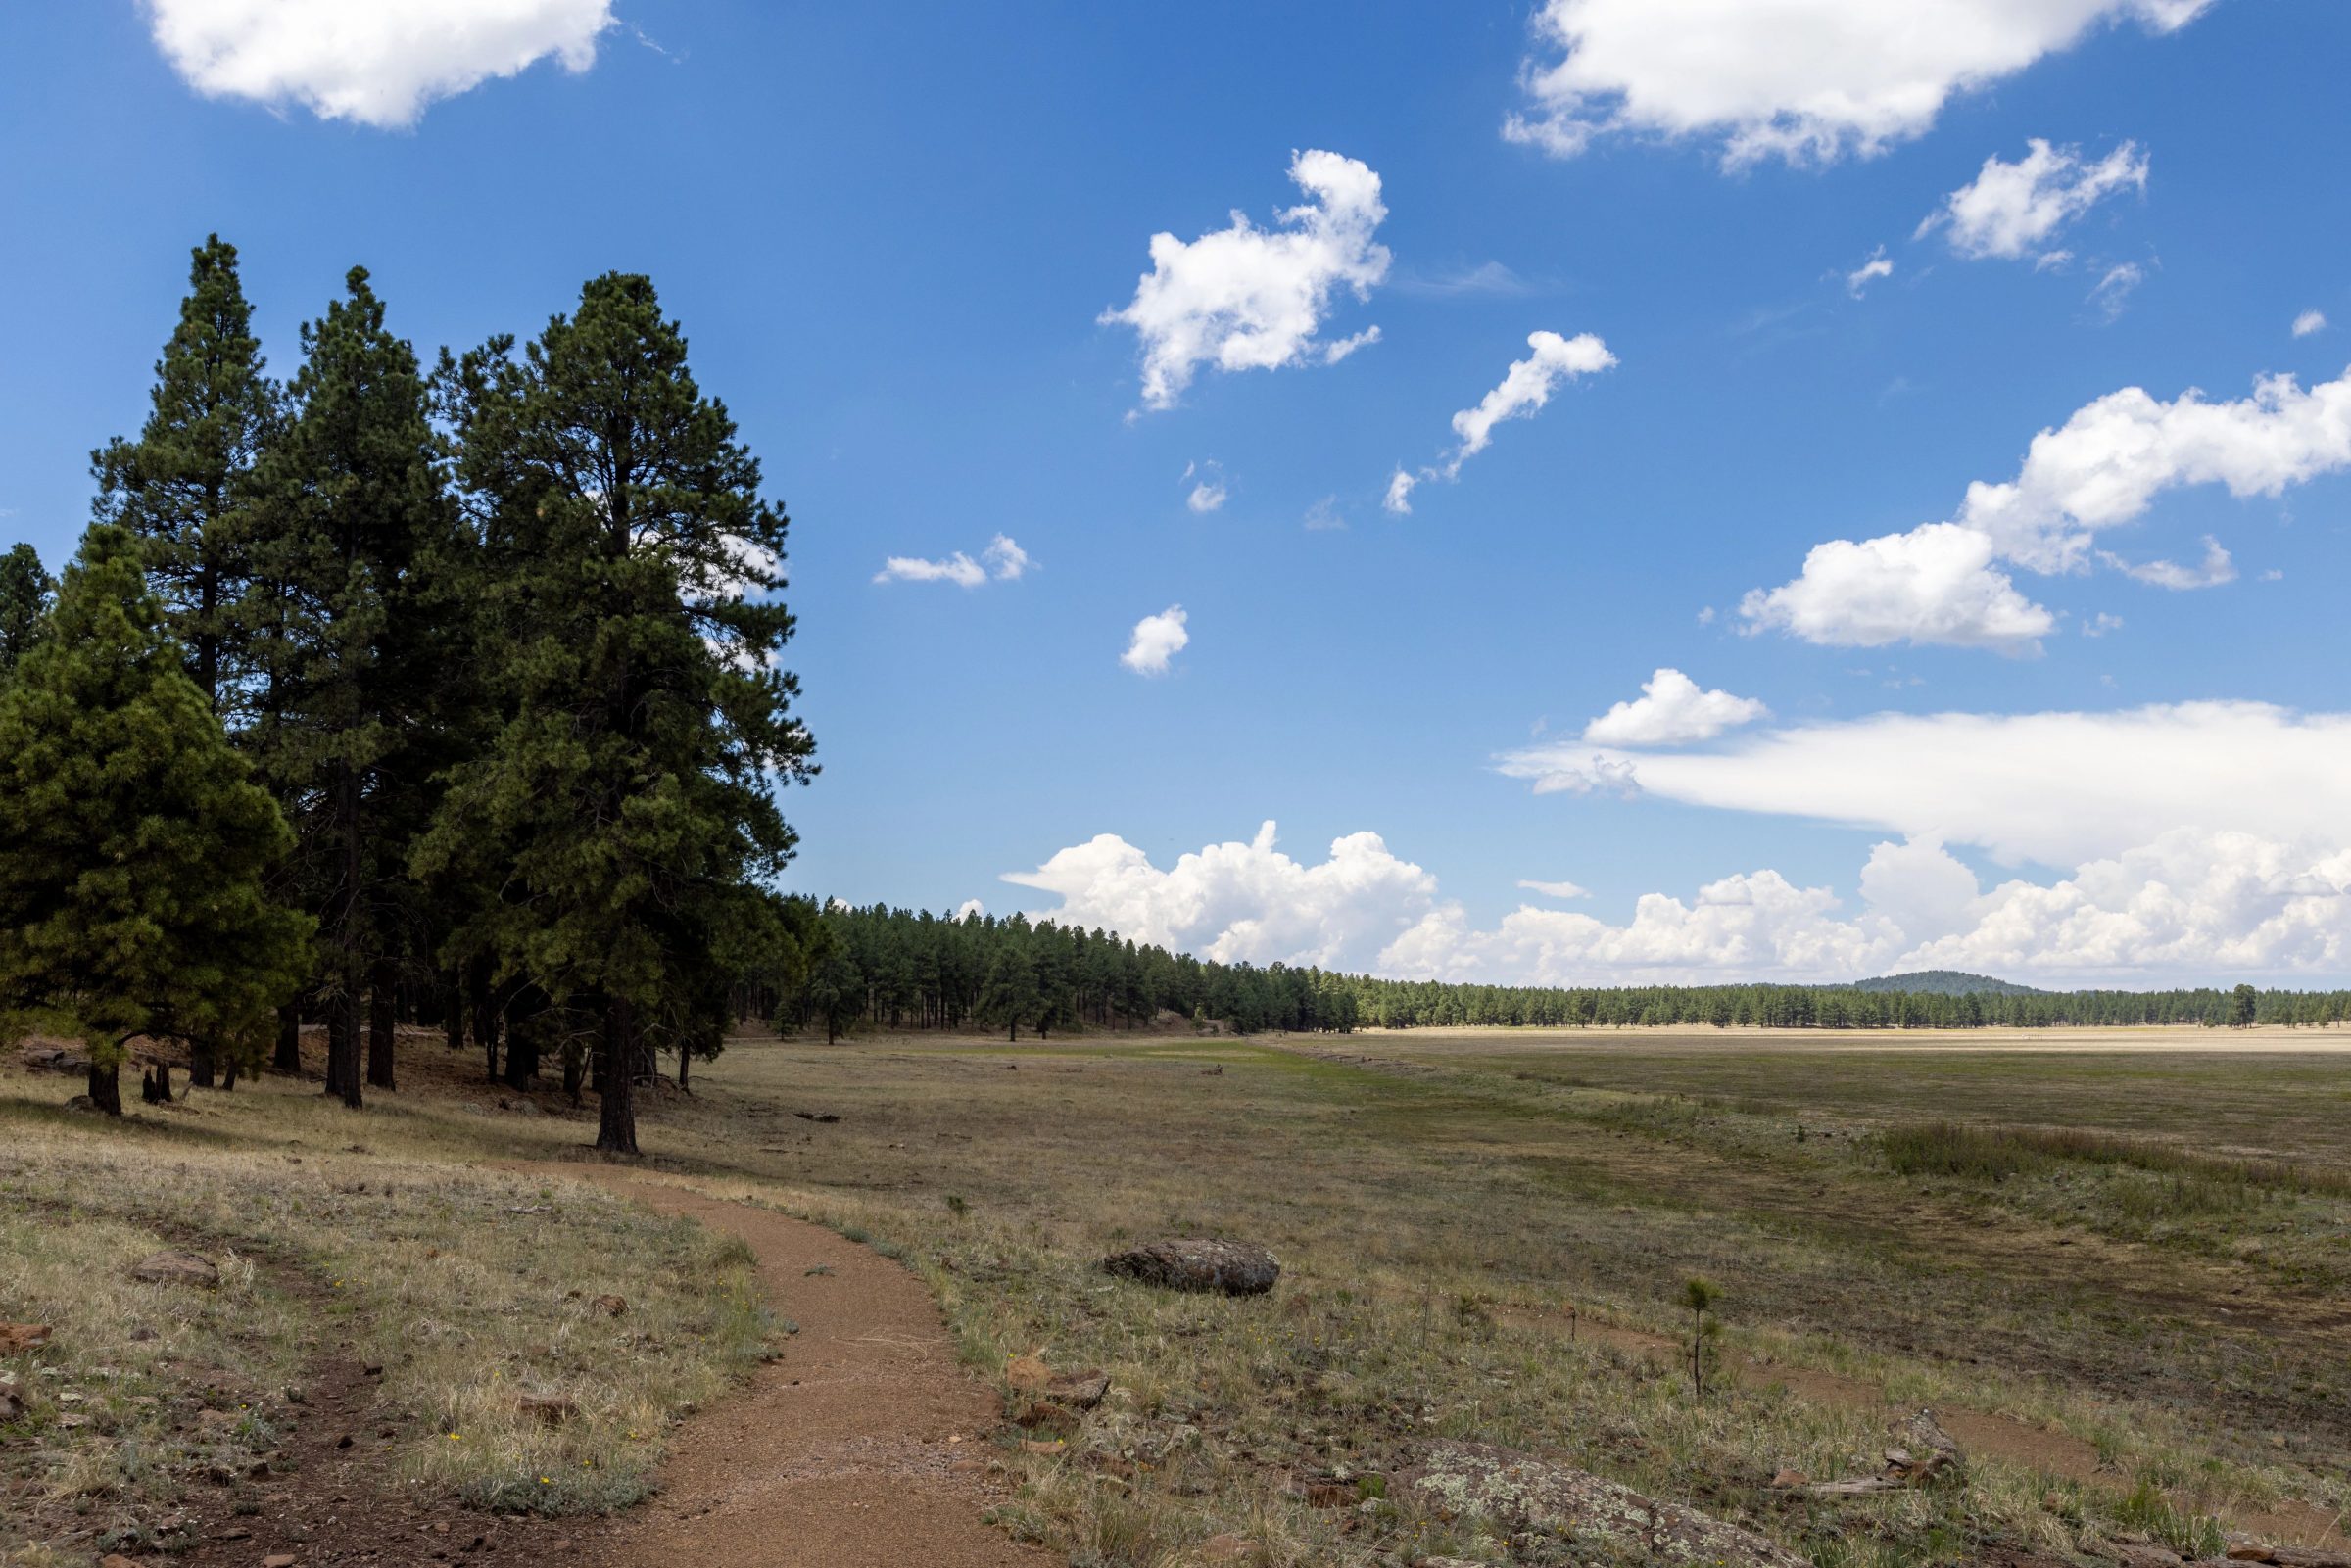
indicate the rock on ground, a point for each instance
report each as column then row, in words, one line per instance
column 1197, row 1263
column 1519, row 1493
column 19, row 1337
column 176, row 1268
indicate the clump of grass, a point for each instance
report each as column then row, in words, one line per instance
column 1995, row 1153
column 2146, row 1508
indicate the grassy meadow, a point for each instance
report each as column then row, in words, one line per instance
column 2118, row 1273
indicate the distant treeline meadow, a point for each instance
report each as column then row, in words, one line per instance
column 898, row 969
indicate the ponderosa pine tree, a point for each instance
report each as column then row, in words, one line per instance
column 185, row 486
column 134, row 844
column 25, row 588
column 350, row 525
column 1009, row 993
column 646, row 719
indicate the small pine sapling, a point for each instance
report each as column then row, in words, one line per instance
column 1699, row 1296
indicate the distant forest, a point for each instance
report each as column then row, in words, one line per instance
column 897, row 968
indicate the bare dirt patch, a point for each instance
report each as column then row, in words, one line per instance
column 863, row 1444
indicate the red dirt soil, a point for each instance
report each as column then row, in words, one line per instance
column 862, row 1447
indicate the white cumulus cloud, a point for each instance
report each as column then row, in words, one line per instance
column 1209, row 490
column 1002, row 559
column 2103, row 468
column 1671, row 710
column 2310, row 322
column 1398, row 496
column 2187, row 905
column 2011, row 211
column 2058, row 788
column 1797, row 79
column 1244, row 298
column 2215, row 569
column 1858, row 280
column 1236, row 901
column 377, row 62
column 1523, row 388
column 1157, row 640
column 1933, row 585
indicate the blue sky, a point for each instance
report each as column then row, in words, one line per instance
column 899, row 241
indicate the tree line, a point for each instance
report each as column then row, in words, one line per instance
column 394, row 692
column 899, row 969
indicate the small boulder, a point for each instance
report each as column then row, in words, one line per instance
column 12, row 1405
column 1928, row 1452
column 176, row 1268
column 1198, row 1264
column 1079, row 1391
column 1520, row 1494
column 551, row 1410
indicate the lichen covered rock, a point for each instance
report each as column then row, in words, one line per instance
column 1198, row 1264
column 1519, row 1493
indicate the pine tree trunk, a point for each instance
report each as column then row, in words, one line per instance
column 162, row 1083
column 522, row 1063
column 343, row 1021
column 572, row 1068
column 488, row 1015
column 228, row 1075
column 616, row 1124
column 200, row 1064
column 452, row 1016
column 685, row 1057
column 334, row 1046
column 383, row 1000
column 289, row 1041
column 343, row 1047
column 106, row 1087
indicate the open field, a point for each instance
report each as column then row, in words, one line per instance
column 2139, row 1327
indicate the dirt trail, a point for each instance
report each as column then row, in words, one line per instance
column 862, row 1444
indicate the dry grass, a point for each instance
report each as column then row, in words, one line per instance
column 467, row 1286
column 1428, row 1225
column 1434, row 1208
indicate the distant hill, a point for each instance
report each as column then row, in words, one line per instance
column 1945, row 982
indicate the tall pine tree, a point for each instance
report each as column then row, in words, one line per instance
column 185, row 486
column 353, row 520
column 134, row 844
column 646, row 719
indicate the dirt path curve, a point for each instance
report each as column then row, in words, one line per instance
column 861, row 1446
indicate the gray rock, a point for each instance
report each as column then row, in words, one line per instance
column 176, row 1268
column 1197, row 1263
column 1517, row 1494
